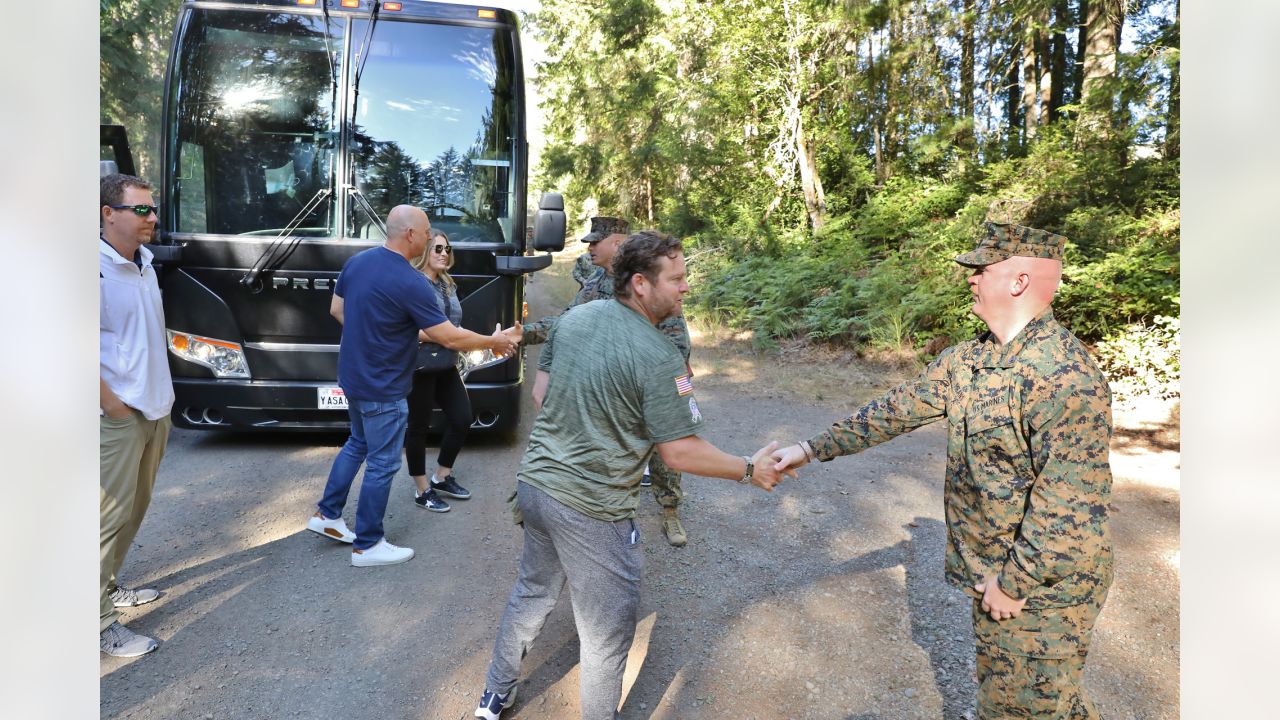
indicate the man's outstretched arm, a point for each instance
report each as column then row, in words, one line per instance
column 694, row 455
column 911, row 405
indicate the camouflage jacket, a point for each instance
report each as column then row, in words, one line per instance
column 601, row 288
column 584, row 271
column 1028, row 483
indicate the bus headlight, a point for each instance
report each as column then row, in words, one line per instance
column 473, row 360
column 226, row 359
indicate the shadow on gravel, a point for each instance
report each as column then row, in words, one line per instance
column 941, row 618
column 674, row 678
column 200, row 595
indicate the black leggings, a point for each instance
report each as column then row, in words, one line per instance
column 443, row 388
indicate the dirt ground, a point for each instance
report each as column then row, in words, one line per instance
column 822, row 600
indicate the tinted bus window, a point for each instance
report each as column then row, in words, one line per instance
column 434, row 127
column 254, row 134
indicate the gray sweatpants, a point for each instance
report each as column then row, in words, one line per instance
column 602, row 562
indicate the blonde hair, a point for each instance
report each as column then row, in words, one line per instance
column 420, row 263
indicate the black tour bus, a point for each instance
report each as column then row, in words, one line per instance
column 291, row 127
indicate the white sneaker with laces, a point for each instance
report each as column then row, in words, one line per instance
column 129, row 597
column 384, row 553
column 332, row 529
column 119, row 641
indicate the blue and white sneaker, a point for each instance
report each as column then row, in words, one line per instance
column 492, row 704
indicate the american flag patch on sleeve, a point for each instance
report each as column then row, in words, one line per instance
column 684, row 385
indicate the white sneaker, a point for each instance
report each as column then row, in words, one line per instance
column 332, row 529
column 128, row 597
column 119, row 641
column 384, row 553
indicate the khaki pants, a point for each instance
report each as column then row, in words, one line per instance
column 1031, row 666
column 130, row 450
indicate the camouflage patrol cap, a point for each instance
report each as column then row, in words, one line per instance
column 604, row 226
column 1005, row 240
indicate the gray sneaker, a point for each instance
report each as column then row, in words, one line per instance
column 128, row 597
column 119, row 641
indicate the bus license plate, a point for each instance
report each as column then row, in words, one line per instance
column 331, row 398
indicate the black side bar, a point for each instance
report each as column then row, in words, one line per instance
column 166, row 254
column 521, row 264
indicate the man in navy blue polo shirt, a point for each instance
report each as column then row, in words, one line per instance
column 382, row 303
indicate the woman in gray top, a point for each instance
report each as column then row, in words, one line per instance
column 436, row 383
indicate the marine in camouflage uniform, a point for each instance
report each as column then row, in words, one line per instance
column 666, row 482
column 1027, row 490
column 584, row 270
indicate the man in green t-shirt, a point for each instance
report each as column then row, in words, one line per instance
column 606, row 236
column 615, row 390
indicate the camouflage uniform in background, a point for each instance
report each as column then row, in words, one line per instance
column 584, row 271
column 1027, row 491
column 535, row 333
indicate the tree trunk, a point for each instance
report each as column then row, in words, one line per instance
column 1100, row 65
column 1013, row 95
column 877, row 145
column 1082, row 39
column 815, row 200
column 1030, row 112
column 889, row 135
column 881, row 174
column 1058, row 69
column 648, row 192
column 1043, row 69
column 1173, row 113
column 966, row 139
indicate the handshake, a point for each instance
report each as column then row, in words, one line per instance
column 772, row 464
column 503, row 342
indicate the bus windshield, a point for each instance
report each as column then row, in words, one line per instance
column 255, row 135
column 258, row 133
column 434, row 127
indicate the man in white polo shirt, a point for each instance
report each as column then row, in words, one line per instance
column 136, row 394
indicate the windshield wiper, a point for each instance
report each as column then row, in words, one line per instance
column 278, row 252
column 364, row 204
column 364, row 52
column 350, row 120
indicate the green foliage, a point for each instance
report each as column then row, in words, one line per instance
column 133, row 47
column 1132, row 276
column 1144, row 359
column 883, row 276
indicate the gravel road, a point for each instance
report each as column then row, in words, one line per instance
column 822, row 600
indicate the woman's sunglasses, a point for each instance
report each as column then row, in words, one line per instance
column 139, row 210
column 442, row 249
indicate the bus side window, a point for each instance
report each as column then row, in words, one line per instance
column 192, row 212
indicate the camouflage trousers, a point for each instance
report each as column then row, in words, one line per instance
column 666, row 483
column 1031, row 666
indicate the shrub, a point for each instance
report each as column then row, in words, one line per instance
column 1144, row 359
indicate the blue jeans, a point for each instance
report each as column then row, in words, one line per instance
column 377, row 433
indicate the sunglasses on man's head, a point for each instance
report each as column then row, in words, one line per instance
column 445, row 249
column 139, row 210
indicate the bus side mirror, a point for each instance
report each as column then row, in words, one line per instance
column 549, row 223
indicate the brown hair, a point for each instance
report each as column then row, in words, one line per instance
column 111, row 188
column 638, row 255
